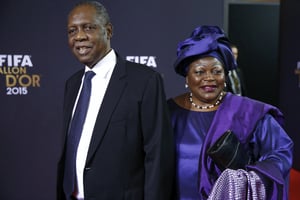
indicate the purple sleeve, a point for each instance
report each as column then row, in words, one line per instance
column 272, row 148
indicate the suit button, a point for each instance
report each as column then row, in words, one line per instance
column 87, row 169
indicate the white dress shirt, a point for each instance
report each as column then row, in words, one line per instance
column 103, row 70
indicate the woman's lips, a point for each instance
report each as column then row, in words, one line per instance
column 208, row 88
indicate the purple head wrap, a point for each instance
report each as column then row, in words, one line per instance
column 204, row 41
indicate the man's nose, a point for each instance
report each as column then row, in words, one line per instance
column 81, row 35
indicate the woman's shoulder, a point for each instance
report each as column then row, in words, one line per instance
column 179, row 100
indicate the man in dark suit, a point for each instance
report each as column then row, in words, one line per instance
column 125, row 149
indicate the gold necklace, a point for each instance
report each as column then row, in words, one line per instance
column 209, row 106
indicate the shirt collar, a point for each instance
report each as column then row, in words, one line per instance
column 105, row 65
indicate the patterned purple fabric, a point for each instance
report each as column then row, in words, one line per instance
column 238, row 184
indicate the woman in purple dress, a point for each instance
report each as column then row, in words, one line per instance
column 259, row 167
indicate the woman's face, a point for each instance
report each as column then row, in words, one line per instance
column 206, row 79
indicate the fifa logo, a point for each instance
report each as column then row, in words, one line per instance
column 146, row 60
column 15, row 60
column 17, row 79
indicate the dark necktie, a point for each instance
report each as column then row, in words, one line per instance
column 75, row 134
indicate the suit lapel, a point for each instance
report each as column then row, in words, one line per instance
column 112, row 95
column 72, row 88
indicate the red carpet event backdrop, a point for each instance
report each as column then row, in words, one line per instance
column 35, row 61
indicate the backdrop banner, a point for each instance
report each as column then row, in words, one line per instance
column 35, row 61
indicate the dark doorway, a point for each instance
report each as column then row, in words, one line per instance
column 254, row 28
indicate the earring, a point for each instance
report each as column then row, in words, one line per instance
column 225, row 85
column 186, row 85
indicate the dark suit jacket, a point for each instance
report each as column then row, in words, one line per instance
column 131, row 154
